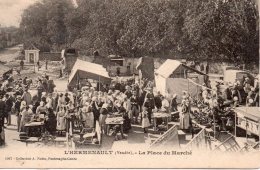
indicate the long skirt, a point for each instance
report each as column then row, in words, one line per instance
column 184, row 120
column 61, row 123
column 145, row 122
column 89, row 120
column 102, row 120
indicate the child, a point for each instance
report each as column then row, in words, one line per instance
column 145, row 120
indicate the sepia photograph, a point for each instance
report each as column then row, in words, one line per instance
column 129, row 84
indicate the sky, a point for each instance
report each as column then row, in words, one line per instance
column 11, row 10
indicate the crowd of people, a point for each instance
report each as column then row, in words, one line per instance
column 86, row 106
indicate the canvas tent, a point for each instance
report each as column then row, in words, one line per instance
column 174, row 77
column 86, row 70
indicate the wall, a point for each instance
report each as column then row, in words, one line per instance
column 27, row 55
column 50, row 56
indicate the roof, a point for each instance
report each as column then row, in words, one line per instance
column 114, row 57
column 237, row 71
column 249, row 112
column 169, row 66
column 32, row 47
column 4, row 69
column 89, row 70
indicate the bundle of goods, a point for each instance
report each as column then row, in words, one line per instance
column 202, row 117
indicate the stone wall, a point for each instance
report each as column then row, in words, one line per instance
column 50, row 56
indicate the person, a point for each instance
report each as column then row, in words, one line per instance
column 61, row 100
column 256, row 98
column 87, row 116
column 61, row 121
column 27, row 97
column 228, row 93
column 158, row 100
column 165, row 105
column 134, row 107
column 95, row 109
column 251, row 94
column 103, row 115
column 26, row 117
column 118, row 71
column 128, row 92
column 235, row 93
column 40, row 89
column 38, row 65
column 17, row 106
column 145, row 120
column 149, row 103
column 21, row 64
column 67, row 99
column 51, row 86
column 49, row 101
column 46, row 64
column 51, row 122
column 184, row 116
column 9, row 105
column 2, row 111
column 149, row 106
column 173, row 103
column 42, row 109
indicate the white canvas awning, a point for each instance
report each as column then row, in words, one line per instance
column 87, row 70
column 167, row 68
column 170, row 66
column 173, row 77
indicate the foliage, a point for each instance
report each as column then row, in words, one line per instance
column 203, row 30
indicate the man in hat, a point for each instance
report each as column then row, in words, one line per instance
column 149, row 103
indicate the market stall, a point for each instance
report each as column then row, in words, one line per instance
column 115, row 121
column 248, row 119
column 83, row 70
column 174, row 77
column 161, row 115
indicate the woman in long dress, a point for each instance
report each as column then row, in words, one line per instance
column 61, row 121
column 184, row 116
column 103, row 115
column 145, row 120
column 87, row 116
column 27, row 116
